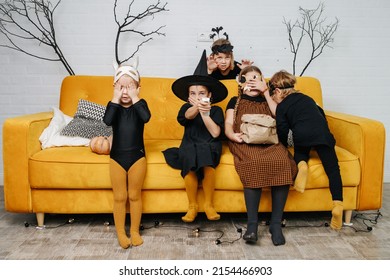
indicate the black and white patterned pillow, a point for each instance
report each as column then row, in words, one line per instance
column 87, row 122
column 90, row 110
column 86, row 128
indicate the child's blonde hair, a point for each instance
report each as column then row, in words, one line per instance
column 284, row 81
column 223, row 46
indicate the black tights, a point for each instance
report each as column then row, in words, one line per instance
column 252, row 201
column 330, row 163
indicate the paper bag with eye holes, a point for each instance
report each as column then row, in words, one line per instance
column 258, row 129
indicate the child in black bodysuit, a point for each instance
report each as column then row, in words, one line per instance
column 127, row 114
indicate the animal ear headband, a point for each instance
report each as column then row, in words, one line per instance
column 225, row 48
column 130, row 70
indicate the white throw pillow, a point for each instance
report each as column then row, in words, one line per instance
column 51, row 137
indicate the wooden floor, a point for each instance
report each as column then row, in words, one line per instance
column 89, row 237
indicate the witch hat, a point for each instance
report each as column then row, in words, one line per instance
column 200, row 77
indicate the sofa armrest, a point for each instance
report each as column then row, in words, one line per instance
column 364, row 138
column 20, row 141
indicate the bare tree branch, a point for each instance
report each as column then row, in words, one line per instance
column 311, row 26
column 129, row 20
column 22, row 20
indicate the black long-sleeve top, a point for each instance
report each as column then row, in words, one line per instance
column 305, row 118
column 127, row 126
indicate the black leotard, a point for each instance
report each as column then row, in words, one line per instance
column 128, row 131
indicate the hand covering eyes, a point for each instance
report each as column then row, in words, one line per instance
column 242, row 79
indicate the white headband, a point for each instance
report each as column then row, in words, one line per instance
column 130, row 70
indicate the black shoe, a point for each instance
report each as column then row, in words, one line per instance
column 250, row 237
column 277, row 235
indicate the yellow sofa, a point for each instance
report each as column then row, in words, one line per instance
column 75, row 180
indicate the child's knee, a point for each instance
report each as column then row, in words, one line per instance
column 135, row 194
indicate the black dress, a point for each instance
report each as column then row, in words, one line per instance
column 259, row 165
column 198, row 147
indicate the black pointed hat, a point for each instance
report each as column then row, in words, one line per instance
column 200, row 77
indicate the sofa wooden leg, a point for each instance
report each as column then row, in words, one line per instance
column 347, row 217
column 41, row 219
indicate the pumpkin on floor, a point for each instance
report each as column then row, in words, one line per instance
column 101, row 145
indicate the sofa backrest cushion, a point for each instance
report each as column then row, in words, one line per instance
column 163, row 104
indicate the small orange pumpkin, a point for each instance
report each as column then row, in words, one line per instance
column 101, row 145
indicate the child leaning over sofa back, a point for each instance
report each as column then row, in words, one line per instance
column 299, row 113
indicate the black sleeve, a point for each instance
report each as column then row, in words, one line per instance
column 110, row 113
column 142, row 110
column 232, row 103
column 282, row 126
column 181, row 118
column 321, row 111
column 218, row 117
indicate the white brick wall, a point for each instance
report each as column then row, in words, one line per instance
column 354, row 74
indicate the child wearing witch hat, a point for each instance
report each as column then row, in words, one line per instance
column 200, row 150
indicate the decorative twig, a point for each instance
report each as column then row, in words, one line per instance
column 312, row 26
column 31, row 20
column 130, row 20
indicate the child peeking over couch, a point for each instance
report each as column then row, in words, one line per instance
column 221, row 64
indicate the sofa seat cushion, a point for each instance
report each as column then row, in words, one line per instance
column 69, row 168
column 349, row 168
column 159, row 175
column 79, row 168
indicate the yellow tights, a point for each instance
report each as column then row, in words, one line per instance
column 301, row 179
column 191, row 183
column 337, row 215
column 128, row 186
